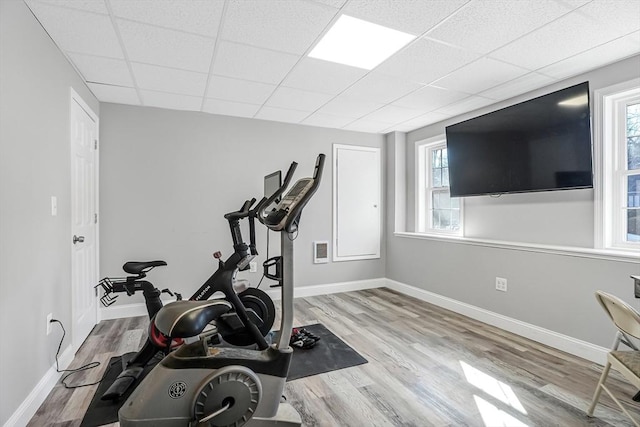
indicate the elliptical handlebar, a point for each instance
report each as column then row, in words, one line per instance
column 285, row 183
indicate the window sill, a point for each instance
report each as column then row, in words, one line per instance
column 574, row 251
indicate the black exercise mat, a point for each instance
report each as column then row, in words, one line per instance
column 329, row 354
column 102, row 412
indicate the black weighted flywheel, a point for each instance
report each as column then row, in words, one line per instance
column 262, row 305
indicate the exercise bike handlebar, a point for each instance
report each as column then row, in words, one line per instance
column 242, row 213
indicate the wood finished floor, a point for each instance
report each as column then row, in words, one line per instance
column 427, row 367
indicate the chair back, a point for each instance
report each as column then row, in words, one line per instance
column 625, row 317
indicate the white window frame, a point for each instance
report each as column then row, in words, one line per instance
column 423, row 192
column 610, row 164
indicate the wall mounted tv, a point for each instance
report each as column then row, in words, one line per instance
column 538, row 145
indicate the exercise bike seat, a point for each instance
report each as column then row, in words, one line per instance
column 183, row 319
column 137, row 267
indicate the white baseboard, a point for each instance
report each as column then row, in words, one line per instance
column 553, row 339
column 30, row 405
column 140, row 309
column 330, row 288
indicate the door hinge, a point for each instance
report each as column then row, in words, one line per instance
column 95, row 218
column 95, row 144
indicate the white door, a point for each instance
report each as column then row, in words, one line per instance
column 357, row 195
column 84, row 204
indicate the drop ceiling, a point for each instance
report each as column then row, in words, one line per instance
column 248, row 58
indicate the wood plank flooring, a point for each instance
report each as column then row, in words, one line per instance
column 427, row 367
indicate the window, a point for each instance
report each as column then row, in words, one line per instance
column 618, row 169
column 437, row 212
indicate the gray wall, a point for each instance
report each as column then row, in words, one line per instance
column 168, row 177
column 551, row 291
column 35, row 248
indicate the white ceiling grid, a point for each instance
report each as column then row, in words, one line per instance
column 247, row 58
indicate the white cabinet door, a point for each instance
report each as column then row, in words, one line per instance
column 356, row 202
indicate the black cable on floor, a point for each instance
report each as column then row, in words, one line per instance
column 88, row 366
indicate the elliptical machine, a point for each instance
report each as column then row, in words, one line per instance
column 203, row 385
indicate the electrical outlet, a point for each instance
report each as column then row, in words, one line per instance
column 253, row 267
column 49, row 319
column 501, row 284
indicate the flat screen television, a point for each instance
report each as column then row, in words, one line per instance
column 537, row 145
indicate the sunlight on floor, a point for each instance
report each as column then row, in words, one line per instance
column 491, row 414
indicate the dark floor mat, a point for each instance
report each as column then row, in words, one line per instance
column 329, row 354
column 102, row 412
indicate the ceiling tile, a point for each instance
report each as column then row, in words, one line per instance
column 587, row 27
column 252, row 63
column 502, row 21
column 322, row 76
column 517, row 86
column 193, row 16
column 380, row 88
column 393, row 114
column 114, row 94
column 96, row 6
column 480, row 75
column 420, row 121
column 337, row 4
column 239, row 90
column 469, row 104
column 327, row 120
column 97, row 69
column 171, row 101
column 281, row 115
column 593, row 58
column 425, row 61
column 296, row 99
column 230, row 108
column 77, row 31
column 169, row 48
column 285, row 25
column 164, row 79
column 429, row 98
column 364, row 125
column 341, row 106
column 413, row 17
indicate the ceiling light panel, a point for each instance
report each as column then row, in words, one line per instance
column 358, row 43
column 286, row 26
column 169, row 48
column 194, row 16
column 252, row 63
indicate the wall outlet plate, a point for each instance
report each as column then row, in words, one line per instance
column 253, row 267
column 49, row 319
column 501, row 284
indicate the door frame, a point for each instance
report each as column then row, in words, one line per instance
column 75, row 97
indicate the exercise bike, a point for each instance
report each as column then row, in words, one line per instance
column 232, row 327
column 204, row 385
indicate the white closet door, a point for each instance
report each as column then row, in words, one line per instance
column 356, row 202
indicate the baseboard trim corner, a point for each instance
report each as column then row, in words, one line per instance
column 30, row 405
column 544, row 336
